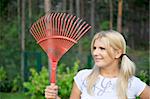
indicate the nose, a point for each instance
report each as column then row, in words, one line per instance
column 96, row 52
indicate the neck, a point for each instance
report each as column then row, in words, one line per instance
column 110, row 71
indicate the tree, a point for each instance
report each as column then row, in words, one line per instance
column 22, row 38
column 78, row 8
column 111, row 14
column 119, row 20
column 30, row 11
column 92, row 16
column 78, row 15
column 47, row 5
column 71, row 6
column 64, row 5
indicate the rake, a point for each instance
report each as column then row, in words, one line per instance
column 56, row 33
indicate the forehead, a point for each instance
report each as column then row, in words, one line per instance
column 101, row 42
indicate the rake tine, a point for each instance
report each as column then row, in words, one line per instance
column 79, row 30
column 47, row 24
column 76, row 28
column 59, row 22
column 35, row 33
column 83, row 31
column 32, row 32
column 51, row 30
column 71, row 23
column 56, row 23
column 68, row 23
column 39, row 30
column 73, row 27
column 62, row 22
column 43, row 27
column 53, row 23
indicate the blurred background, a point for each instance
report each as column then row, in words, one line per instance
column 24, row 65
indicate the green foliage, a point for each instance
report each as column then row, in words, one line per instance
column 2, row 77
column 141, row 59
column 6, row 85
column 2, row 74
column 65, row 79
column 143, row 75
column 13, row 96
column 104, row 25
column 16, row 84
column 37, row 83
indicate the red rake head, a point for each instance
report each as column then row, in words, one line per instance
column 56, row 33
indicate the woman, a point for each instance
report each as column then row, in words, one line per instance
column 112, row 76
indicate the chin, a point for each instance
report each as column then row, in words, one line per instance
column 99, row 65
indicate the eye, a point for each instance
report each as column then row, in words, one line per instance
column 94, row 48
column 102, row 48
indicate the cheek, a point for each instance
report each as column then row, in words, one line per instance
column 108, row 57
column 111, row 53
column 107, row 54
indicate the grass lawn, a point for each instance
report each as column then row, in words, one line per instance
column 13, row 96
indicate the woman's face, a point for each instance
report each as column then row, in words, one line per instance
column 100, row 53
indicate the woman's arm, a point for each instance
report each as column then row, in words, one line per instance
column 75, row 93
column 146, row 93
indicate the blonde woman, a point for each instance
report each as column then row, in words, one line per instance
column 112, row 76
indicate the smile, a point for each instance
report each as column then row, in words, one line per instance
column 97, row 59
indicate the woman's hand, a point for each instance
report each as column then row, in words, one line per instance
column 51, row 92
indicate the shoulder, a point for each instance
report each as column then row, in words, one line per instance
column 134, row 82
column 140, row 88
column 84, row 72
column 135, row 79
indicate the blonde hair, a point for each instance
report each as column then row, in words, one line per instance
column 127, row 67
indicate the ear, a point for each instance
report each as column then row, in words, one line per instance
column 118, row 53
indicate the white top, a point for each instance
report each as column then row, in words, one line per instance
column 105, row 88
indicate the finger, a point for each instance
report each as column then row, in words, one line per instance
column 50, row 94
column 51, row 91
column 52, row 87
column 47, row 94
column 55, row 87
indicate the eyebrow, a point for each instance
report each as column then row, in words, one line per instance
column 99, row 47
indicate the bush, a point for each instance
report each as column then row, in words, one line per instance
column 143, row 75
column 37, row 83
column 16, row 84
column 65, row 79
column 2, row 78
column 2, row 74
column 5, row 83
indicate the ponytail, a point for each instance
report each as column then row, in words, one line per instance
column 127, row 70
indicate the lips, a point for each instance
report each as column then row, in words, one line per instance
column 97, row 59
